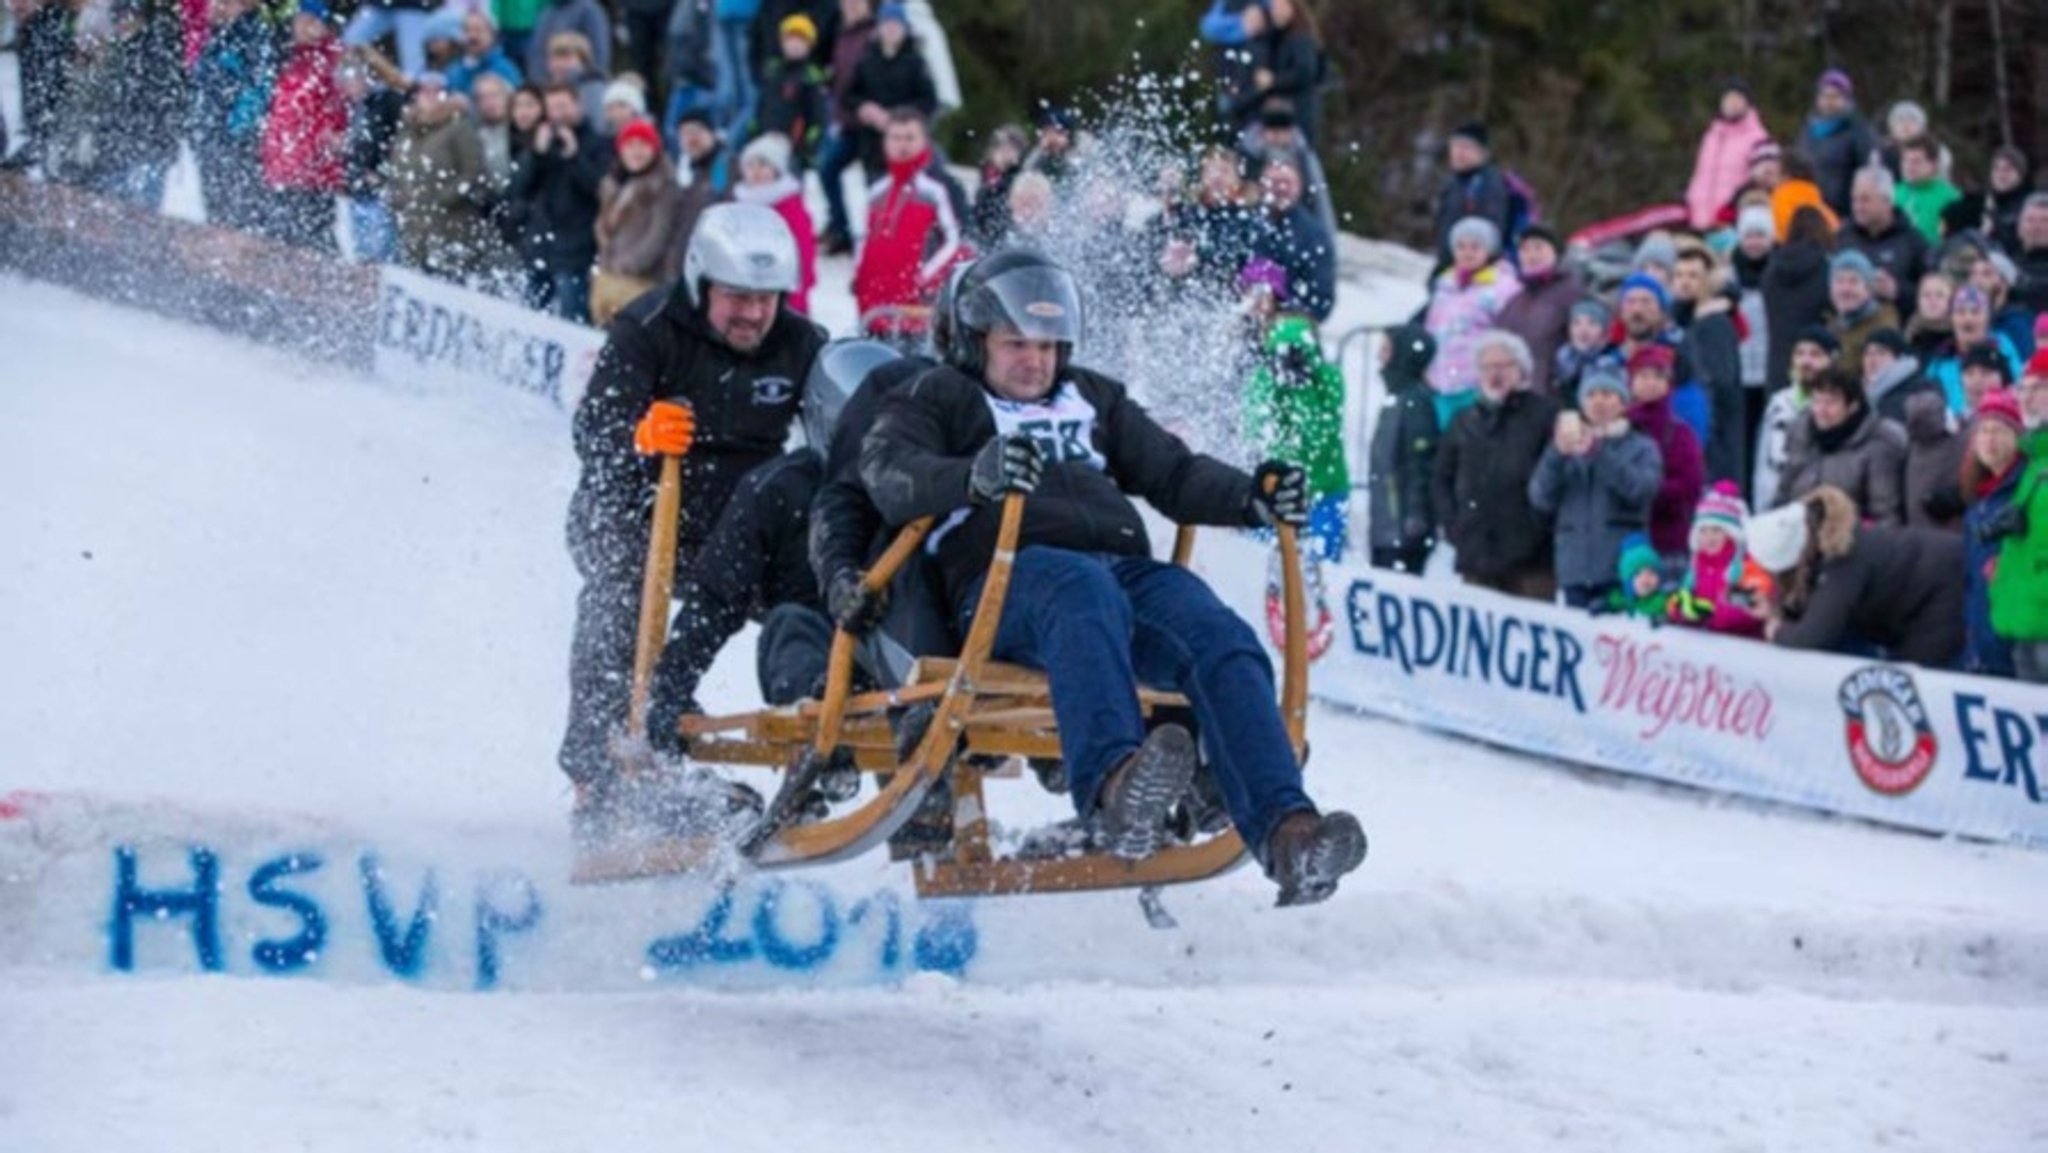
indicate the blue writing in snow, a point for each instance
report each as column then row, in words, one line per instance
column 800, row 927
column 1471, row 644
column 2005, row 747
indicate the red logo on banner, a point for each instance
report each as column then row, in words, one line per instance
column 1890, row 742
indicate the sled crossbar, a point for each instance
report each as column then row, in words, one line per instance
column 986, row 714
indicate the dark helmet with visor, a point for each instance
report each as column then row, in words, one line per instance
column 1020, row 290
column 835, row 376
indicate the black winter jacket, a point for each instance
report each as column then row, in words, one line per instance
column 1795, row 292
column 1404, row 445
column 561, row 194
column 752, row 561
column 1900, row 250
column 917, row 460
column 659, row 348
column 847, row 530
column 890, row 81
column 1896, row 587
column 1483, row 468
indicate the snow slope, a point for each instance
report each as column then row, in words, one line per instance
column 265, row 589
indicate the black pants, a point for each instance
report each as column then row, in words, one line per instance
column 647, row 38
column 1407, row 558
column 601, row 651
column 303, row 218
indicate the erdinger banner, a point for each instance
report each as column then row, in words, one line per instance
column 431, row 330
column 1894, row 743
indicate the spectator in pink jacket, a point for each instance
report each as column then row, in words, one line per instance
column 765, row 178
column 1726, row 590
column 1723, row 165
column 1465, row 301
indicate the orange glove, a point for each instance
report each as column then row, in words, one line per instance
column 667, row 430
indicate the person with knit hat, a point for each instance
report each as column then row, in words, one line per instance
column 624, row 101
column 1990, row 479
column 1464, row 301
column 767, row 177
column 1892, row 376
column 890, row 74
column 1755, row 237
column 1684, row 473
column 1474, row 188
column 1842, row 444
column 1585, row 338
column 639, row 223
column 1645, row 307
column 1849, row 587
column 1403, row 456
column 1725, row 590
column 1721, row 167
column 2018, row 591
column 1857, row 311
column 1596, row 480
column 1641, row 589
column 1970, row 319
column 1836, row 137
column 796, row 95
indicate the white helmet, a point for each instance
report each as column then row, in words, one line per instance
column 743, row 246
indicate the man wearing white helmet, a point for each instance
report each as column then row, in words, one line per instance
column 710, row 369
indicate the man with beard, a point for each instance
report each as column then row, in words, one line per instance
column 709, row 369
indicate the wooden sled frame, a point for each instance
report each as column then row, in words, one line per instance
column 986, row 714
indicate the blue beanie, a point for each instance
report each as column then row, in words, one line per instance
column 317, row 9
column 897, row 12
column 1647, row 283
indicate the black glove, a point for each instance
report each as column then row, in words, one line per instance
column 1005, row 465
column 1280, row 493
column 853, row 607
column 2008, row 521
column 1945, row 503
column 665, row 721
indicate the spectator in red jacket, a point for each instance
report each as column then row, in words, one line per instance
column 305, row 136
column 913, row 233
column 1650, row 369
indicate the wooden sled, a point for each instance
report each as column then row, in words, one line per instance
column 987, row 715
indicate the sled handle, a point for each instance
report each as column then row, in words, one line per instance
column 1184, row 545
column 839, row 670
column 1294, row 685
column 981, row 637
column 657, row 587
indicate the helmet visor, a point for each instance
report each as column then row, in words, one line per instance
column 1040, row 303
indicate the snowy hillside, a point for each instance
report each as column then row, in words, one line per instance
column 248, row 603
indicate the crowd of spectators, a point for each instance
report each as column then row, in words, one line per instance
column 1844, row 326
column 1815, row 412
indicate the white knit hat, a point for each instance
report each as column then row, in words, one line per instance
column 770, row 148
column 1777, row 538
column 620, row 92
column 1756, row 218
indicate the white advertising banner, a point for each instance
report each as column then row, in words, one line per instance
column 432, row 332
column 1908, row 746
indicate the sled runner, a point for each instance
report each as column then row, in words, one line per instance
column 974, row 718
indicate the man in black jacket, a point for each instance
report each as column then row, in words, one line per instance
column 712, row 370
column 1483, row 466
column 558, row 181
column 1704, row 306
column 1087, row 603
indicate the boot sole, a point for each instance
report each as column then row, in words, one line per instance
column 1164, row 769
column 1340, row 847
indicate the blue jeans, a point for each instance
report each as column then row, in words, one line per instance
column 730, row 48
column 1100, row 625
column 374, row 228
column 569, row 296
column 407, row 25
column 841, row 149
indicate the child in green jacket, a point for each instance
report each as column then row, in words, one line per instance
column 1294, row 411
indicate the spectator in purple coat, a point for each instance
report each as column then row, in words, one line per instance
column 1541, row 312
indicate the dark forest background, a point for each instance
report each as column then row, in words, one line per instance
column 1600, row 103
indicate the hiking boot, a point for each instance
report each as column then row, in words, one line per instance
column 1132, row 807
column 1307, row 854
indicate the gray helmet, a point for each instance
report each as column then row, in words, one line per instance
column 1016, row 289
column 835, row 376
column 743, row 246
